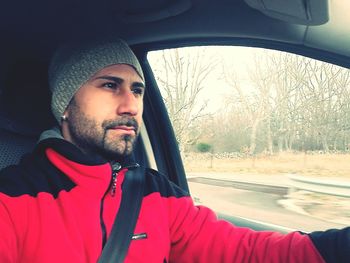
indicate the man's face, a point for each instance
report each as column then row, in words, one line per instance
column 106, row 112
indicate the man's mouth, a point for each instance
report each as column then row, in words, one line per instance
column 122, row 126
column 124, row 129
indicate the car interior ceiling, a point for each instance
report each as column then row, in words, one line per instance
column 32, row 32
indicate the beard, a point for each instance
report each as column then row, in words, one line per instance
column 94, row 138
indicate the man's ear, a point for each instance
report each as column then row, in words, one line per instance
column 64, row 126
column 64, row 117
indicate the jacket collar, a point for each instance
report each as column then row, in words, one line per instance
column 53, row 139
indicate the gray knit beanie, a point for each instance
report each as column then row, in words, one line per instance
column 73, row 65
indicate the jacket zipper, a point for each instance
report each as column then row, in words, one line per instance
column 116, row 167
column 112, row 188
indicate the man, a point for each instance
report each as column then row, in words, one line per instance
column 60, row 202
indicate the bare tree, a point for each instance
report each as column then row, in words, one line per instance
column 289, row 73
column 324, row 93
column 290, row 102
column 181, row 76
column 255, row 102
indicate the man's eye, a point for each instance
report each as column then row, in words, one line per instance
column 110, row 85
column 138, row 91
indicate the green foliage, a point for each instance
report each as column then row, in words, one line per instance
column 203, row 147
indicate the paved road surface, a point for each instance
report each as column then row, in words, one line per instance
column 259, row 206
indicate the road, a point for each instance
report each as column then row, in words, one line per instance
column 256, row 205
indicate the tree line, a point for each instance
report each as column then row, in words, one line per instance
column 285, row 103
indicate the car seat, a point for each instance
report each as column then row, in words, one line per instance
column 24, row 108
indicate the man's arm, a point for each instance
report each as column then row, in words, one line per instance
column 198, row 236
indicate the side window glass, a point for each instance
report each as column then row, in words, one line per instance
column 264, row 135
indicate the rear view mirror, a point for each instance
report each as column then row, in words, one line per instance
column 304, row 12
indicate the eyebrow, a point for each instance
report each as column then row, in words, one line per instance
column 135, row 84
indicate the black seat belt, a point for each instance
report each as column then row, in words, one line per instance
column 124, row 224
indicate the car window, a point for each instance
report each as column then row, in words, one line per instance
column 264, row 135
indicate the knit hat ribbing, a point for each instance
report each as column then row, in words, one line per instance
column 73, row 65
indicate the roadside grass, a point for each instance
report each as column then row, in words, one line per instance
column 315, row 164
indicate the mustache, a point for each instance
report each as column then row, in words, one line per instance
column 126, row 121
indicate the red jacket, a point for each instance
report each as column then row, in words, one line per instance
column 57, row 206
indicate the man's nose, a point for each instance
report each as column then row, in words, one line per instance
column 128, row 104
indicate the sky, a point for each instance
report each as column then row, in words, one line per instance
column 238, row 59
